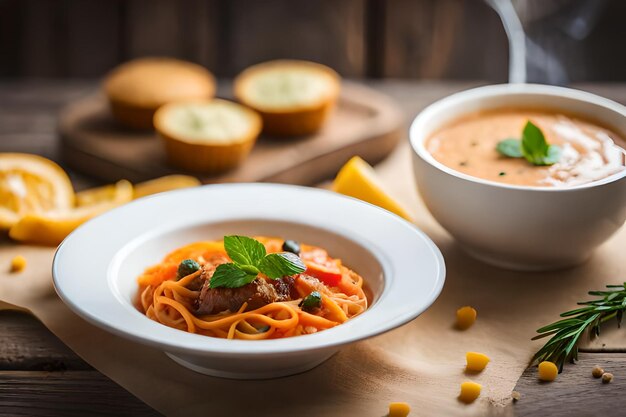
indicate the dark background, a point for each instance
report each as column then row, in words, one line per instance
column 432, row 39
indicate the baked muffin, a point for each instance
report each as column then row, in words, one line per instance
column 207, row 136
column 293, row 97
column 136, row 89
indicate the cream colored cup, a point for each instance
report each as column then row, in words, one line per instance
column 520, row 227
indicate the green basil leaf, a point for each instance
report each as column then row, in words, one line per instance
column 510, row 147
column 553, row 156
column 244, row 250
column 249, row 269
column 278, row 265
column 534, row 145
column 230, row 276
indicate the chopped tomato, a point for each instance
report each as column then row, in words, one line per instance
column 328, row 272
column 348, row 286
column 314, row 254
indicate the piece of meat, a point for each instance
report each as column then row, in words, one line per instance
column 195, row 284
column 286, row 288
column 208, row 268
column 258, row 293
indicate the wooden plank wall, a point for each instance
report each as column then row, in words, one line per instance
column 458, row 39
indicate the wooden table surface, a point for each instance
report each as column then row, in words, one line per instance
column 40, row 376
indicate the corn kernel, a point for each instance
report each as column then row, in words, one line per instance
column 399, row 409
column 18, row 264
column 465, row 317
column 469, row 391
column 547, row 371
column 476, row 362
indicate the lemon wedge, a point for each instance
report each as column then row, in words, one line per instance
column 359, row 180
column 118, row 193
column 31, row 184
column 167, row 183
column 51, row 227
column 48, row 229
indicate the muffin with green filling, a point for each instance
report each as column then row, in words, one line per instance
column 293, row 97
column 207, row 136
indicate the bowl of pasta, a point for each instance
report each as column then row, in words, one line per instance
column 248, row 281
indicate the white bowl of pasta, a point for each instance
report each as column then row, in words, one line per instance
column 248, row 280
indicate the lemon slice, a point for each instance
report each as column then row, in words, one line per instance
column 359, row 180
column 31, row 184
column 167, row 183
column 118, row 193
column 51, row 227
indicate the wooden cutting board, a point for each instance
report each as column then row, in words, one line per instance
column 365, row 122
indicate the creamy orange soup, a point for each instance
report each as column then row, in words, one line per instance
column 589, row 152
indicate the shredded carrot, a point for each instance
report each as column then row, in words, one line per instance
column 158, row 273
column 194, row 251
column 335, row 312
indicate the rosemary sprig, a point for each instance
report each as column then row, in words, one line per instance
column 563, row 345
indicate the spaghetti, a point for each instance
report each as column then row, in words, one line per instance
column 173, row 301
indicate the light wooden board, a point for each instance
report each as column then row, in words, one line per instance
column 365, row 123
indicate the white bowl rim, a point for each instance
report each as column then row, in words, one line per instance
column 172, row 340
column 494, row 90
